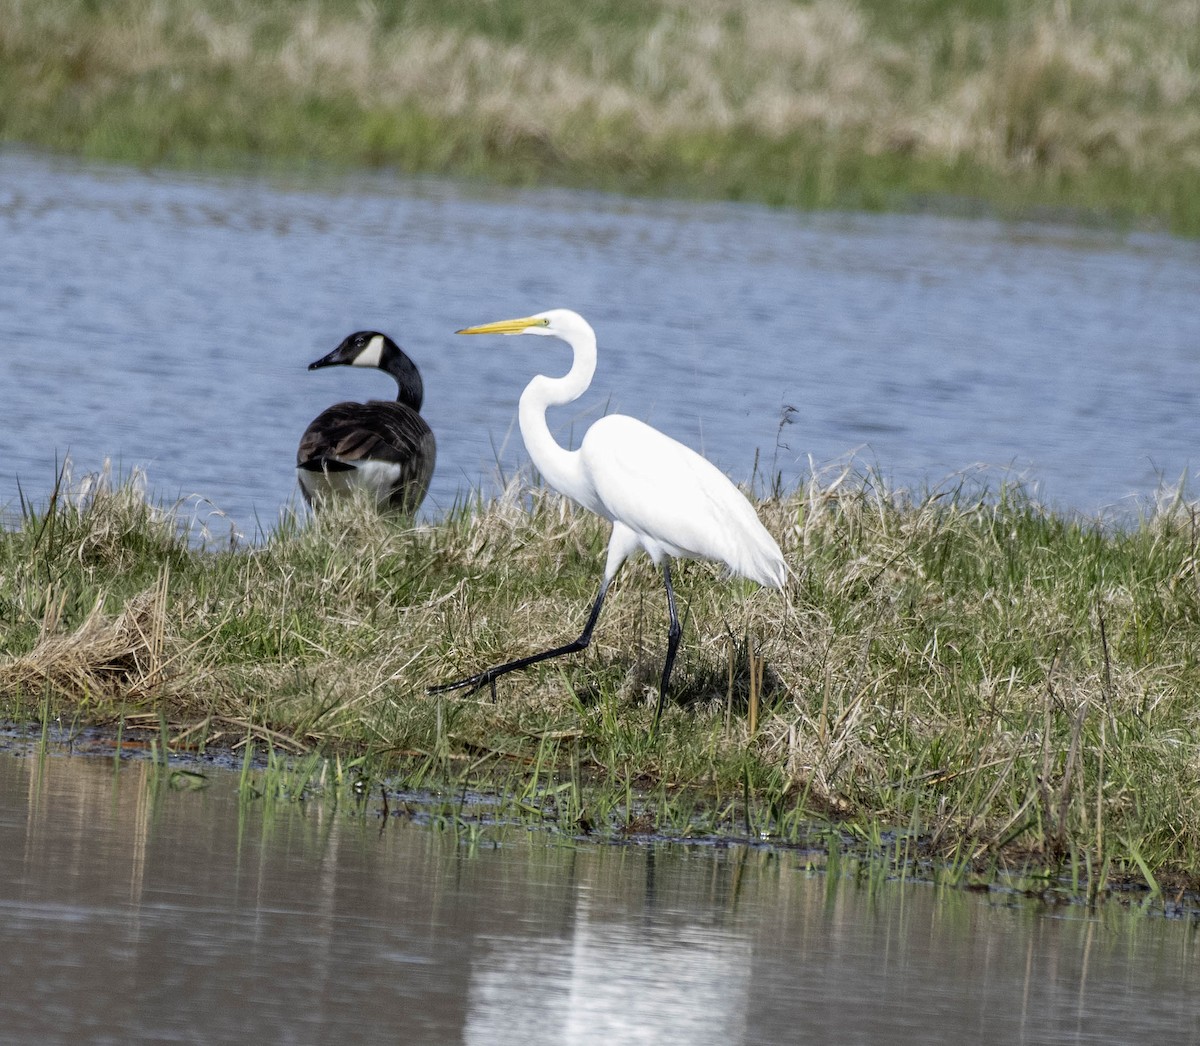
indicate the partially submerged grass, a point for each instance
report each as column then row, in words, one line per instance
column 1093, row 105
column 961, row 677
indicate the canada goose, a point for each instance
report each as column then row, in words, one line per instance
column 383, row 447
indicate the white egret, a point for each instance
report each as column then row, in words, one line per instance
column 661, row 496
column 385, row 448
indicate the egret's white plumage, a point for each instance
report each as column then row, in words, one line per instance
column 674, row 502
column 660, row 495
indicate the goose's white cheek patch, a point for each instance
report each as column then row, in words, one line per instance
column 371, row 355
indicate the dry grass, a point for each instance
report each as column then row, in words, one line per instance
column 1063, row 87
column 103, row 660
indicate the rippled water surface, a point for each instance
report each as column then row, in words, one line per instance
column 165, row 322
column 131, row 911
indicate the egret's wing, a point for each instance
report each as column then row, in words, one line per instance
column 675, row 499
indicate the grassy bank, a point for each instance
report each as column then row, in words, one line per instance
column 962, row 678
column 1092, row 106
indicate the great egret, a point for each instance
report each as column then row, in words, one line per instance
column 385, row 448
column 661, row 496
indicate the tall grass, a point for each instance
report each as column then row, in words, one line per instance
column 1093, row 105
column 957, row 676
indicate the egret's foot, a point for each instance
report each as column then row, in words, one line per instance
column 471, row 683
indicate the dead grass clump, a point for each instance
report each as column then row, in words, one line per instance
column 128, row 658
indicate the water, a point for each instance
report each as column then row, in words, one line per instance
column 133, row 912
column 165, row 322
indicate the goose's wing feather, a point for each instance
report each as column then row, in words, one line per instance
column 388, row 442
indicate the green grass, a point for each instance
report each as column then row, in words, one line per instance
column 1090, row 109
column 959, row 684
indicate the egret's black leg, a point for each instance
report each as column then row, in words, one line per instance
column 489, row 675
column 673, row 634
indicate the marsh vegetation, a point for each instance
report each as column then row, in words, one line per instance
column 1093, row 106
column 956, row 676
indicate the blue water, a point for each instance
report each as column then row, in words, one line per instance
column 132, row 912
column 164, row 322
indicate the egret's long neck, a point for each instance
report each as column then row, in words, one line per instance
column 559, row 467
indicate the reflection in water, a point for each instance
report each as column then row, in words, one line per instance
column 131, row 912
column 626, row 972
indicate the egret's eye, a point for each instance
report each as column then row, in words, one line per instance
column 660, row 496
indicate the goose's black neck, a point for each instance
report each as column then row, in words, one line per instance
column 410, row 388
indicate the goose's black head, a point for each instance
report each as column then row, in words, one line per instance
column 372, row 349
